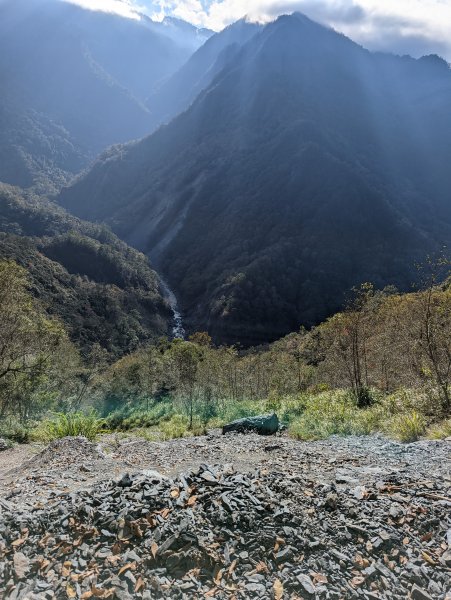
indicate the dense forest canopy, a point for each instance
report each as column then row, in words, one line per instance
column 104, row 291
column 282, row 186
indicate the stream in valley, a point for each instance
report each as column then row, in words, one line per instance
column 178, row 330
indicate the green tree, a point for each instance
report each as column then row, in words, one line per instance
column 29, row 343
column 183, row 360
column 432, row 322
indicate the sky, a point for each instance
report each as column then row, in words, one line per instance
column 413, row 27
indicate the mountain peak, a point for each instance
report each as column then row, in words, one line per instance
column 181, row 24
column 435, row 61
column 297, row 35
column 303, row 18
column 298, row 17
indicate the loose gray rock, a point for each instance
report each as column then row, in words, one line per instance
column 21, row 565
column 306, row 584
column 282, row 521
column 418, row 593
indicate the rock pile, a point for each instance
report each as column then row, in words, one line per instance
column 217, row 533
column 67, row 451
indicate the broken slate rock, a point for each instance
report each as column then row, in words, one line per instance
column 418, row 593
column 306, row 584
column 21, row 565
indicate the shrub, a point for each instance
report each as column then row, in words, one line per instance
column 178, row 427
column 408, row 427
column 71, row 424
column 12, row 429
column 440, row 431
column 364, row 397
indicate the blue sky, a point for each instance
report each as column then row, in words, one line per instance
column 404, row 26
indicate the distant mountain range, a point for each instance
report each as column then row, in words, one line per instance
column 177, row 92
column 306, row 165
column 285, row 164
column 75, row 81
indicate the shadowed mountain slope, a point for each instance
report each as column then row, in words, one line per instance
column 309, row 165
column 176, row 93
column 74, row 81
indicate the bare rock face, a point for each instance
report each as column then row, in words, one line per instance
column 261, row 424
column 3, row 444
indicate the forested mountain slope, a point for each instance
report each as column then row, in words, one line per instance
column 308, row 166
column 75, row 81
column 176, row 93
column 35, row 150
column 104, row 291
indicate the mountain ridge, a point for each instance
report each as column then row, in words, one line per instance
column 176, row 93
column 306, row 167
column 87, row 72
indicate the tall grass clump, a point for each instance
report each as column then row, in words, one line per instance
column 325, row 414
column 61, row 425
column 332, row 413
column 231, row 411
column 408, row 427
column 288, row 408
column 141, row 416
column 440, row 431
column 179, row 426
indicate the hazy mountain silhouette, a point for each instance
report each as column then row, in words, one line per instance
column 74, row 81
column 308, row 165
column 176, row 93
column 182, row 33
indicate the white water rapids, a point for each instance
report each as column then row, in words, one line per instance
column 178, row 331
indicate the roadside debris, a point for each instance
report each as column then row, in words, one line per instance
column 213, row 532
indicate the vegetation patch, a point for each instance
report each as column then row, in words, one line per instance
column 63, row 425
column 382, row 365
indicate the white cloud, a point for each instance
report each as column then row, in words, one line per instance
column 413, row 26
column 405, row 26
column 125, row 8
